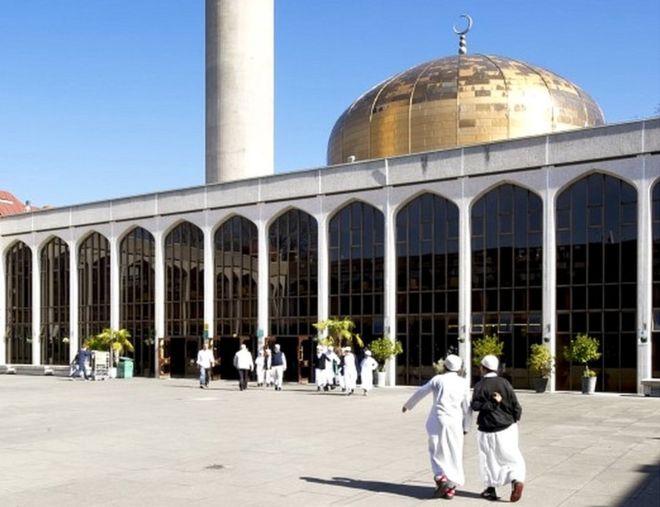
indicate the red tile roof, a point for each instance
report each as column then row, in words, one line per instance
column 9, row 205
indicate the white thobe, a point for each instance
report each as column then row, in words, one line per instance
column 449, row 417
column 350, row 372
column 367, row 367
column 259, row 364
column 500, row 459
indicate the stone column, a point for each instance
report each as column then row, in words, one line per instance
column 263, row 322
column 644, row 278
column 549, row 276
column 115, row 292
column 36, row 306
column 74, row 339
column 209, row 282
column 323, row 267
column 159, row 297
column 464, row 284
column 390, row 284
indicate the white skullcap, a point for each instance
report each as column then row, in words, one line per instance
column 490, row 362
column 453, row 362
column 347, row 349
column 367, row 352
column 277, row 346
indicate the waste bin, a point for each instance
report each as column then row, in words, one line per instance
column 125, row 368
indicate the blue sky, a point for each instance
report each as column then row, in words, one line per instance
column 105, row 98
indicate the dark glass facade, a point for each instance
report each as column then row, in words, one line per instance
column 184, row 281
column 18, row 266
column 236, row 278
column 427, row 270
column 137, row 252
column 293, row 268
column 655, row 325
column 356, row 253
column 93, row 286
column 596, row 224
column 507, row 274
column 55, row 302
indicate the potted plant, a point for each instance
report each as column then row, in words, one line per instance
column 582, row 349
column 340, row 332
column 114, row 341
column 541, row 363
column 383, row 349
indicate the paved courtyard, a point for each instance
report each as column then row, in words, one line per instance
column 145, row 442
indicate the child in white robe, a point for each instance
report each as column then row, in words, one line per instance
column 448, row 420
column 367, row 367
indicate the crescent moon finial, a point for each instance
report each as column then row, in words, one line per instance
column 462, row 43
column 469, row 25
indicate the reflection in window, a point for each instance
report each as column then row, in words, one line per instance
column 184, row 281
column 19, row 303
column 93, row 285
column 236, row 277
column 507, row 273
column 427, row 284
column 597, row 278
column 55, row 302
column 356, row 268
column 137, row 253
column 293, row 279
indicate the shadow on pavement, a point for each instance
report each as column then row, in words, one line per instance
column 647, row 492
column 409, row 490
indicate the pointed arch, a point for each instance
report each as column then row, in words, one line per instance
column 184, row 280
column 55, row 300
column 507, row 272
column 93, row 284
column 137, row 290
column 427, row 283
column 596, row 289
column 18, row 298
column 356, row 251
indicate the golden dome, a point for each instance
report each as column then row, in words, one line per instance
column 457, row 101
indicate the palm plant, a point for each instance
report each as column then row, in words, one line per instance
column 340, row 332
column 113, row 340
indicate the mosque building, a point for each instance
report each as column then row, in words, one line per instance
column 467, row 196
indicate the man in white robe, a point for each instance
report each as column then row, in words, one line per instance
column 350, row 371
column 367, row 367
column 448, row 420
column 500, row 459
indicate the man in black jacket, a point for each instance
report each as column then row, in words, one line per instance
column 500, row 459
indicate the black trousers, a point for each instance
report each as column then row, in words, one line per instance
column 243, row 378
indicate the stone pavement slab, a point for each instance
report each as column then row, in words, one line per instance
column 168, row 443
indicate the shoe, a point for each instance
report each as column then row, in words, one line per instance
column 201, row 386
column 441, row 484
column 516, row 491
column 490, row 494
column 449, row 493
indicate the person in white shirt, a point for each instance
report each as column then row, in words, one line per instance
column 449, row 419
column 278, row 364
column 205, row 361
column 350, row 371
column 244, row 364
column 367, row 367
column 260, row 366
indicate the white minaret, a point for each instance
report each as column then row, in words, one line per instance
column 240, row 86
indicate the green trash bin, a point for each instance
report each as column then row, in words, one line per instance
column 125, row 368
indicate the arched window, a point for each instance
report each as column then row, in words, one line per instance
column 137, row 255
column 427, row 285
column 356, row 252
column 55, row 291
column 596, row 220
column 93, row 285
column 507, row 274
column 19, row 303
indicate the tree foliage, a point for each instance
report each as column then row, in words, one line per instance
column 383, row 348
column 583, row 349
column 340, row 332
column 488, row 345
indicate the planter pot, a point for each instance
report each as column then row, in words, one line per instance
column 540, row 384
column 380, row 379
column 588, row 385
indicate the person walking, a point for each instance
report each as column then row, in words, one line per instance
column 350, row 371
column 278, row 362
column 244, row 364
column 260, row 366
column 320, row 365
column 500, row 459
column 268, row 368
column 205, row 362
column 367, row 367
column 81, row 361
column 449, row 419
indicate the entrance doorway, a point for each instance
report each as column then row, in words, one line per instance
column 299, row 360
column 179, row 356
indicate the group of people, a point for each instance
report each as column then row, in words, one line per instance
column 270, row 366
column 450, row 418
column 338, row 368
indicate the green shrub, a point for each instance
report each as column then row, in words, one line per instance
column 488, row 345
column 384, row 348
column 540, row 360
column 583, row 349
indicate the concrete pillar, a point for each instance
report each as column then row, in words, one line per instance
column 159, row 297
column 549, row 276
column 74, row 339
column 644, row 278
column 263, row 322
column 114, row 283
column 209, row 282
column 323, row 268
column 239, row 89
column 390, row 284
column 464, row 285
column 36, row 306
